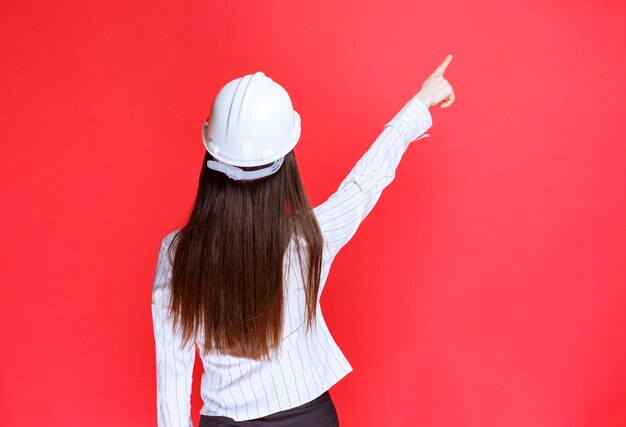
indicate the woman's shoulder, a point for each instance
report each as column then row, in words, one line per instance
column 169, row 237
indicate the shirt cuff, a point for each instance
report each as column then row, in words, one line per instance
column 412, row 120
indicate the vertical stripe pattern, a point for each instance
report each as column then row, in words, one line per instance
column 174, row 364
column 307, row 364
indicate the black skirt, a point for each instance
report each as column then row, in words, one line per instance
column 320, row 412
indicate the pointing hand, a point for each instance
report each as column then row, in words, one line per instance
column 436, row 90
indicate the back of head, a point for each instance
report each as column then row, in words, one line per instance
column 252, row 123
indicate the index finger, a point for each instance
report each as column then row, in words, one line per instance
column 441, row 68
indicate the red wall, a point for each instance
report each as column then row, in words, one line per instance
column 486, row 288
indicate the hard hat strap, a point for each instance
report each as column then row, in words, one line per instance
column 233, row 172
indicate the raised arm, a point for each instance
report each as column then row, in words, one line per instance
column 174, row 365
column 340, row 215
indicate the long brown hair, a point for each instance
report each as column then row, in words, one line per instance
column 227, row 274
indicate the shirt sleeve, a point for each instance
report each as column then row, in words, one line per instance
column 340, row 215
column 174, row 365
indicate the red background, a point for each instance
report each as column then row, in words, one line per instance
column 486, row 288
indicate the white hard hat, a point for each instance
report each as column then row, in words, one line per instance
column 252, row 123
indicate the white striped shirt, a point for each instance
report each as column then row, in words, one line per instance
column 307, row 364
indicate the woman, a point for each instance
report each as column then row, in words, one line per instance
column 242, row 279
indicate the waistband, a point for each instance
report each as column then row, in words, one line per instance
column 276, row 416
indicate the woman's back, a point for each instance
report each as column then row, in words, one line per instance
column 306, row 364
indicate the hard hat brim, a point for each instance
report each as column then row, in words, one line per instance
column 210, row 147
